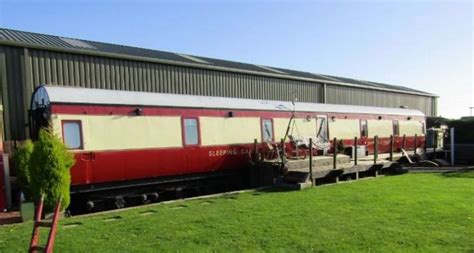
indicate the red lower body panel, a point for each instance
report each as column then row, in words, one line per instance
column 384, row 144
column 114, row 166
column 110, row 166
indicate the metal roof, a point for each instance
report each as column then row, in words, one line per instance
column 44, row 95
column 57, row 43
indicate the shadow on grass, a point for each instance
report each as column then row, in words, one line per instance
column 270, row 189
column 395, row 169
column 71, row 224
column 463, row 173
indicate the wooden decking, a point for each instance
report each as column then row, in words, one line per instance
column 324, row 169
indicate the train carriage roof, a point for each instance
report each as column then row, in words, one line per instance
column 45, row 95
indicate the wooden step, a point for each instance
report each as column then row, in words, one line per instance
column 317, row 161
column 43, row 223
column 296, row 177
column 37, row 249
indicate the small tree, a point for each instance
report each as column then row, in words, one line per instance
column 50, row 165
column 21, row 160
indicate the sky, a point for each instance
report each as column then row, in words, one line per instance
column 425, row 45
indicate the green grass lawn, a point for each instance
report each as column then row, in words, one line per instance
column 412, row 212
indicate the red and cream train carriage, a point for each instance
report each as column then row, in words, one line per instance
column 125, row 138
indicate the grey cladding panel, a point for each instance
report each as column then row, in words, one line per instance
column 55, row 68
column 358, row 96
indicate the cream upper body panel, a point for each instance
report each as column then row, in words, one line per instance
column 280, row 125
column 299, row 127
column 117, row 132
column 380, row 128
column 344, row 128
column 304, row 127
column 411, row 127
column 223, row 131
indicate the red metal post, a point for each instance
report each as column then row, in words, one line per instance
column 255, row 151
column 52, row 232
column 311, row 161
column 391, row 147
column 334, row 154
column 404, row 142
column 38, row 214
column 415, row 144
column 355, row 150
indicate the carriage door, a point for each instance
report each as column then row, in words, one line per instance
column 191, row 143
column 322, row 138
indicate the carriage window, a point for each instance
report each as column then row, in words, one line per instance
column 363, row 128
column 191, row 134
column 267, row 130
column 423, row 128
column 396, row 128
column 72, row 135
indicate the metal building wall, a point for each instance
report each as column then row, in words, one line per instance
column 11, row 80
column 22, row 69
column 357, row 96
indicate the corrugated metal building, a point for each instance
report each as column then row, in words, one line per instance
column 30, row 59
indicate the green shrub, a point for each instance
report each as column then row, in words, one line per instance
column 21, row 160
column 50, row 165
